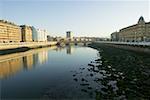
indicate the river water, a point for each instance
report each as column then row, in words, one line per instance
column 75, row 72
column 45, row 73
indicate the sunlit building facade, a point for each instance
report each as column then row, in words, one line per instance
column 26, row 33
column 138, row 32
column 41, row 35
column 9, row 32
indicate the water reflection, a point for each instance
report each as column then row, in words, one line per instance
column 69, row 49
column 12, row 63
column 10, row 67
column 44, row 73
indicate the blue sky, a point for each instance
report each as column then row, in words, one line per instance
column 85, row 18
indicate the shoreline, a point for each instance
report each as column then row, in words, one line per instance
column 132, row 48
column 127, row 68
column 24, row 48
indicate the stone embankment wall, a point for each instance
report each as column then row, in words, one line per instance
column 6, row 46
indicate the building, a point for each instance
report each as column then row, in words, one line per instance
column 9, row 32
column 69, row 35
column 41, row 35
column 34, row 34
column 49, row 38
column 115, row 36
column 138, row 32
column 26, row 33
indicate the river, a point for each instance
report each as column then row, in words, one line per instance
column 74, row 72
column 45, row 72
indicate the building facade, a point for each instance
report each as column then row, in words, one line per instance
column 42, row 35
column 138, row 32
column 115, row 36
column 34, row 34
column 26, row 33
column 9, row 32
column 39, row 35
column 69, row 35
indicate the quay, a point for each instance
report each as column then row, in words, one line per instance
column 143, row 47
column 7, row 48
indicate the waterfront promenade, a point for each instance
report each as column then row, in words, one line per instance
column 5, row 46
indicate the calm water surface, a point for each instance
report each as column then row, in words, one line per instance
column 46, row 73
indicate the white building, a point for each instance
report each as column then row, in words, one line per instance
column 41, row 35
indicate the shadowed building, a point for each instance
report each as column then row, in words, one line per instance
column 69, row 35
column 34, row 34
column 9, row 32
column 115, row 36
column 138, row 32
column 26, row 33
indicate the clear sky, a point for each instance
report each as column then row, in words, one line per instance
column 97, row 18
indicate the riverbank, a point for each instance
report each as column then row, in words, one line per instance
column 131, row 47
column 127, row 73
column 8, row 48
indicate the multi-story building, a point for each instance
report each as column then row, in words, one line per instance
column 34, row 34
column 69, row 35
column 39, row 35
column 115, row 36
column 138, row 32
column 42, row 35
column 26, row 33
column 9, row 32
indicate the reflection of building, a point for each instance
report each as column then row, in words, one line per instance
column 137, row 32
column 115, row 36
column 28, row 61
column 43, row 56
column 69, row 49
column 35, row 59
column 9, row 32
column 26, row 33
column 10, row 67
column 12, row 63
